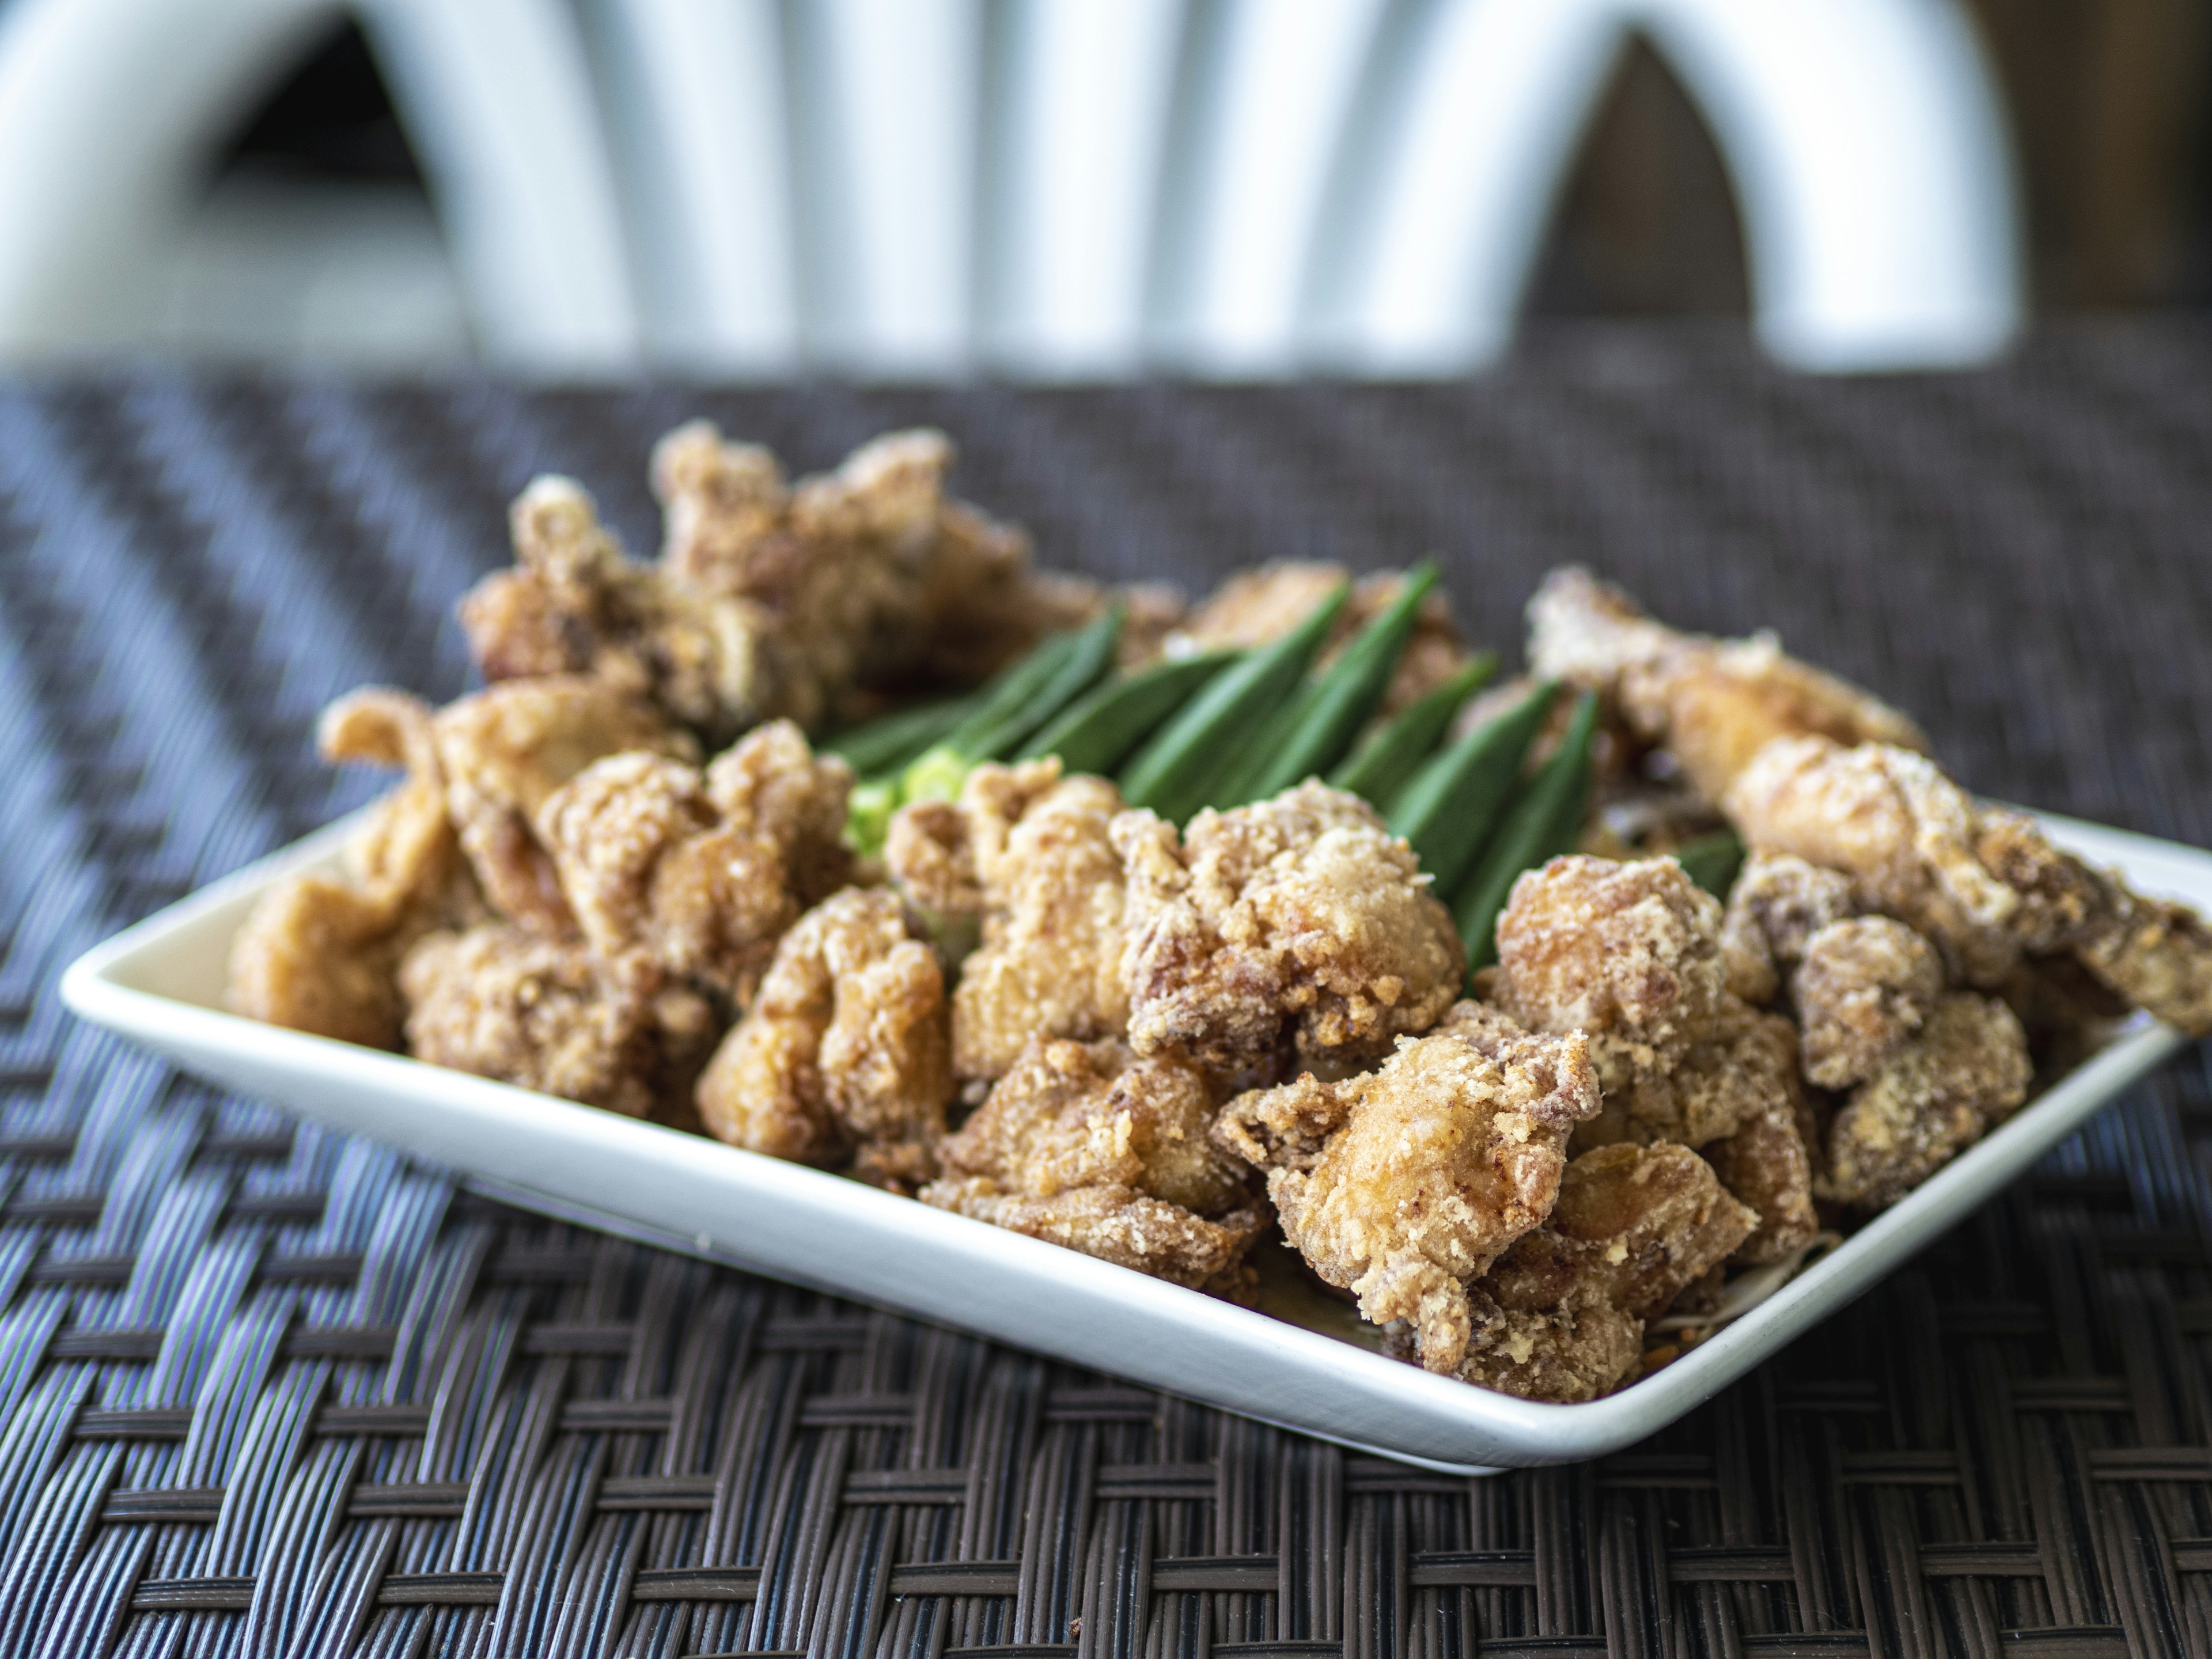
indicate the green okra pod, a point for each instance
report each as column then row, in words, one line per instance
column 1102, row 729
column 1005, row 696
column 1088, row 659
column 1181, row 767
column 1544, row 821
column 889, row 742
column 1712, row 860
column 1380, row 769
column 1447, row 811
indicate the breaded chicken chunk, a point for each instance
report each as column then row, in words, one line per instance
column 1579, row 1350
column 1777, row 904
column 1029, row 854
column 846, row 1053
column 320, row 953
column 1713, row 704
column 507, row 1003
column 1767, row 1166
column 1627, row 953
column 1864, row 987
column 1635, row 1224
column 1090, row 1147
column 1963, row 1072
column 504, row 752
column 1983, row 883
column 1301, row 915
column 1403, row 1184
column 1743, row 1067
column 652, row 855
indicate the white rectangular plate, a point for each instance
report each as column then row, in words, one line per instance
column 161, row 983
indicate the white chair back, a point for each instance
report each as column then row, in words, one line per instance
column 1042, row 188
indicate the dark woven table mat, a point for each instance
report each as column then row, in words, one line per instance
column 263, row 1390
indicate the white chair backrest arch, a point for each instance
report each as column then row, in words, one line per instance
column 1041, row 188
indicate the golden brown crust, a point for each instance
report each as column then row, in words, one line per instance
column 1777, row 904
column 1767, row 1166
column 1626, row 953
column 846, row 1052
column 1964, row 1071
column 1864, row 987
column 1404, row 1183
column 509, row 1004
column 1299, row 917
column 1745, row 1065
column 1713, row 704
column 1579, row 1350
column 1097, row 1149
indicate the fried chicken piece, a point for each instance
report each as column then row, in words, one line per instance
column 704, row 873
column 574, row 604
column 845, row 1052
column 1633, row 1224
column 320, row 954
column 1628, row 953
column 1093, row 1148
column 2063, row 1007
column 1777, row 904
column 1029, row 852
column 1864, row 987
column 1767, row 1167
column 1713, row 704
column 1257, row 606
column 507, row 1003
column 1983, row 882
column 1299, row 915
column 505, row 751
column 1744, row 1066
column 1577, row 1351
column 1966, row 1071
column 1403, row 1184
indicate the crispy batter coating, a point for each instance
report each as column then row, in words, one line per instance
column 1581, row 1349
column 1633, row 1224
column 1255, row 606
column 1864, row 987
column 1404, row 1183
column 1301, row 913
column 1966, row 1071
column 505, row 751
column 1984, row 883
column 1777, row 904
column 1098, row 1150
column 654, row 855
column 320, row 954
column 1767, row 1166
column 1627, row 953
column 507, row 1003
column 1745, row 1065
column 846, row 1051
column 1028, row 852
column 1713, row 704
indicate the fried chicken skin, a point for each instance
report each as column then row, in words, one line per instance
column 1713, row 704
column 1964, row 1072
column 1094, row 1148
column 1864, row 987
column 506, row 749
column 510, row 1004
column 1983, row 883
column 319, row 953
column 703, row 872
column 1627, row 953
column 1299, row 916
column 846, row 1052
column 1030, row 854
column 1404, row 1183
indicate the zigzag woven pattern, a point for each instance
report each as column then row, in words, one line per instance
column 267, row 1391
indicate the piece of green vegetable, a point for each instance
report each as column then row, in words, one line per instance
column 1311, row 732
column 886, row 744
column 868, row 814
column 1542, row 823
column 1379, row 770
column 1183, row 765
column 1004, row 697
column 1447, row 812
column 936, row 774
column 1712, row 860
column 1100, row 730
column 1087, row 658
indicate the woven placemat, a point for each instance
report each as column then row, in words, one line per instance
column 263, row 1390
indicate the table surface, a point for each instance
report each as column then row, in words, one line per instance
column 266, row 1390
